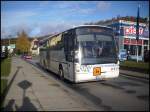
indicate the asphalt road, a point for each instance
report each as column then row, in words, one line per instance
column 122, row 93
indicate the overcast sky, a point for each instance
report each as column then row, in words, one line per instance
column 45, row 17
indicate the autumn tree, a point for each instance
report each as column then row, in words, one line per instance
column 23, row 44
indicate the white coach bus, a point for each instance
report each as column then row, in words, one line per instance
column 83, row 53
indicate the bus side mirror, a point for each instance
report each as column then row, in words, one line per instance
column 69, row 57
column 72, row 53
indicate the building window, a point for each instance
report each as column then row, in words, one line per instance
column 133, row 50
column 139, row 50
column 126, row 47
column 145, row 48
column 145, row 42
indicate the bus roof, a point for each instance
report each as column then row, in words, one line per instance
column 74, row 27
column 91, row 26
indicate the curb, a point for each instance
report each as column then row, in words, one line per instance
column 147, row 78
column 144, row 71
column 143, row 80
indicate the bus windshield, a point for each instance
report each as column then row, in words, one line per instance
column 96, row 48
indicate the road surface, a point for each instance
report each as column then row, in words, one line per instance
column 34, row 88
column 122, row 93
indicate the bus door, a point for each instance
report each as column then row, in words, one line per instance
column 48, row 58
column 69, row 57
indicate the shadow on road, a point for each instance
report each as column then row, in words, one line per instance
column 9, row 106
column 27, row 105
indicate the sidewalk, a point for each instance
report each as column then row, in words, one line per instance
column 31, row 90
column 134, row 74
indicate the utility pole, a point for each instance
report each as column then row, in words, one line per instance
column 9, row 39
column 137, row 30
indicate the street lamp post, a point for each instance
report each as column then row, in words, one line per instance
column 137, row 30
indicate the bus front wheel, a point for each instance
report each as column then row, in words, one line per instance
column 61, row 73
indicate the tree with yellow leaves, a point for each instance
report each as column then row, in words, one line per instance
column 23, row 44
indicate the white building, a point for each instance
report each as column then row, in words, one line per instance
column 34, row 49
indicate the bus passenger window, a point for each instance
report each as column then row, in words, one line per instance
column 68, row 46
column 65, row 43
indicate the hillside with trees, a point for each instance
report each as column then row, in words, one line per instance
column 127, row 18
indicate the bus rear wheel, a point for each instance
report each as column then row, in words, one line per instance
column 61, row 73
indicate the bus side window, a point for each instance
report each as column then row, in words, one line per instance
column 65, row 37
column 68, row 45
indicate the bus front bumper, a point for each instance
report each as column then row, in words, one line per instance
column 86, row 77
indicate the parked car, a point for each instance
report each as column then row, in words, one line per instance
column 28, row 57
column 122, row 55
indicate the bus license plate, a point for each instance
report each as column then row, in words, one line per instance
column 96, row 71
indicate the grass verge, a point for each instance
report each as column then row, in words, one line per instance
column 3, row 87
column 5, row 66
column 133, row 65
column 5, row 71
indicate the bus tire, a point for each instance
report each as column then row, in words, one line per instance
column 61, row 73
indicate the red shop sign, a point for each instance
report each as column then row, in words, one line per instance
column 126, row 41
column 132, row 30
column 134, row 42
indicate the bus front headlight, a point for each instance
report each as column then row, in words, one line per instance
column 77, row 68
column 118, row 62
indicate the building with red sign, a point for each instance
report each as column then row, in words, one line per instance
column 126, row 37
